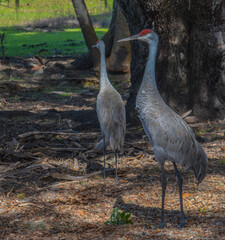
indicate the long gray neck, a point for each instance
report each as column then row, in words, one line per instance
column 104, row 81
column 149, row 81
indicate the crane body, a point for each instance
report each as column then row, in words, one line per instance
column 111, row 112
column 170, row 136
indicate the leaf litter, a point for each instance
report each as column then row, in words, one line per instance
column 51, row 179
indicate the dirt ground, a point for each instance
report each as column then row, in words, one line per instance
column 51, row 186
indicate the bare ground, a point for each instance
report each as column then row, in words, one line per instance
column 50, row 183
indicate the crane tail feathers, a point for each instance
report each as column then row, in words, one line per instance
column 200, row 168
column 99, row 146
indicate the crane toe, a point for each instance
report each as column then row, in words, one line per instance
column 183, row 223
column 162, row 225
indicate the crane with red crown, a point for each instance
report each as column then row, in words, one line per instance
column 170, row 136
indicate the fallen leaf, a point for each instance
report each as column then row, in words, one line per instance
column 186, row 195
column 36, row 67
column 123, row 181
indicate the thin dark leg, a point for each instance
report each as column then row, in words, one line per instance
column 180, row 182
column 164, row 183
column 116, row 164
column 104, row 151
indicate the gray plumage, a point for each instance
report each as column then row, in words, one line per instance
column 110, row 111
column 170, row 136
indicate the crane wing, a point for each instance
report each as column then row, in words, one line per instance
column 171, row 137
column 112, row 118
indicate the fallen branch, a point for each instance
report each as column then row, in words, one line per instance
column 77, row 178
column 186, row 114
column 69, row 149
column 20, row 171
column 65, row 132
column 10, row 86
column 34, row 133
column 6, row 153
column 61, row 149
column 136, row 157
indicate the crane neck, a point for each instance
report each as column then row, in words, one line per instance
column 149, row 79
column 104, row 81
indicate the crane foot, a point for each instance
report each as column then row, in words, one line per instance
column 162, row 225
column 183, row 223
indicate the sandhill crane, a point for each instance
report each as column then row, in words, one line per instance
column 169, row 134
column 110, row 111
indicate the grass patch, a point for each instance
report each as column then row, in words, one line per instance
column 62, row 88
column 222, row 160
column 69, row 42
column 21, row 196
column 30, row 11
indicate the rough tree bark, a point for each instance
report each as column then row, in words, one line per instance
column 87, row 30
column 120, row 55
column 17, row 3
column 190, row 63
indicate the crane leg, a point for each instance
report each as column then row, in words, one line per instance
column 180, row 182
column 104, row 152
column 164, row 183
column 116, row 178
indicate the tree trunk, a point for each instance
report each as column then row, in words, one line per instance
column 17, row 3
column 120, row 57
column 190, row 64
column 87, row 30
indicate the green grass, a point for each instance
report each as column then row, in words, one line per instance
column 33, row 10
column 69, row 42
column 222, row 160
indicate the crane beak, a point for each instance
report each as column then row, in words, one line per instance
column 134, row 37
column 93, row 46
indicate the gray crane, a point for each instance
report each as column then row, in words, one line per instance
column 168, row 133
column 110, row 111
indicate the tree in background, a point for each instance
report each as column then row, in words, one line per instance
column 17, row 3
column 87, row 30
column 190, row 64
column 118, row 55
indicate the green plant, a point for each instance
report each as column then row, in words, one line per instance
column 21, row 196
column 119, row 218
column 202, row 209
column 222, row 160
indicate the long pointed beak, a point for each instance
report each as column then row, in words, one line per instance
column 95, row 45
column 134, row 37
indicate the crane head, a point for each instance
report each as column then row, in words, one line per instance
column 99, row 44
column 145, row 35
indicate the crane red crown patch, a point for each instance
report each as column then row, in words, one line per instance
column 144, row 32
column 97, row 41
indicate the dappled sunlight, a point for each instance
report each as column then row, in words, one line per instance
column 83, row 206
column 68, row 42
